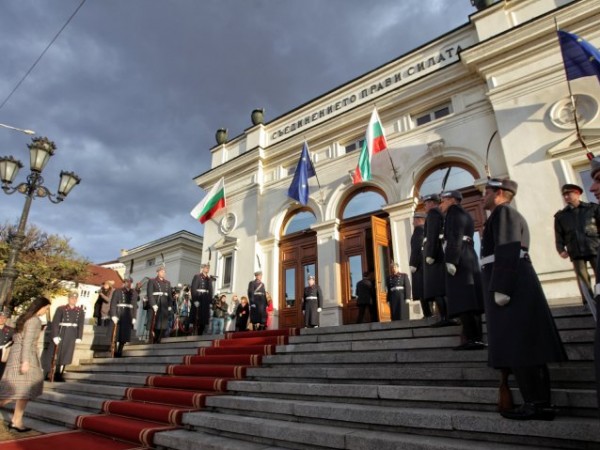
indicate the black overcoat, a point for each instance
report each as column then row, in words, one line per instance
column 201, row 314
column 310, row 305
column 67, row 324
column 416, row 261
column 521, row 333
column 163, row 299
column 124, row 305
column 398, row 290
column 434, row 275
column 464, row 291
column 365, row 292
column 258, row 302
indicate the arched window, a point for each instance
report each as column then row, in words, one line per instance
column 301, row 219
column 459, row 178
column 363, row 202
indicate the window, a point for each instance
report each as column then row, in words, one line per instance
column 300, row 221
column 356, row 145
column 151, row 262
column 433, row 114
column 291, row 170
column 457, row 179
column 227, row 270
column 362, row 203
column 586, row 182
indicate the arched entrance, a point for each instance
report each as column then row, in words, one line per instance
column 298, row 254
column 364, row 248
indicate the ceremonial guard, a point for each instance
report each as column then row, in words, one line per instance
column 434, row 268
column 398, row 290
column 258, row 302
column 464, row 291
column 595, row 188
column 202, row 297
column 312, row 302
column 67, row 330
column 6, row 339
column 521, row 331
column 123, row 311
column 161, row 303
column 415, row 261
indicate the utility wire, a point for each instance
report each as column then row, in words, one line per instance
column 41, row 56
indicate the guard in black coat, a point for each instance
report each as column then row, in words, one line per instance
column 312, row 302
column 595, row 188
column 464, row 292
column 161, row 302
column 6, row 334
column 415, row 262
column 202, row 296
column 434, row 268
column 67, row 330
column 123, row 311
column 398, row 290
column 257, row 296
column 522, row 334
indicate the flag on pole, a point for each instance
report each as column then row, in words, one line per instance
column 298, row 190
column 213, row 202
column 374, row 143
column 581, row 59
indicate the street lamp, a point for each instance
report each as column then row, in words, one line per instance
column 40, row 151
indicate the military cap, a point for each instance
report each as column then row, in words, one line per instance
column 311, row 277
column 431, row 197
column 395, row 264
column 258, row 272
column 5, row 313
column 570, row 188
column 452, row 194
column 73, row 293
column 128, row 280
column 504, row 184
column 202, row 266
column 595, row 164
column 419, row 215
column 161, row 267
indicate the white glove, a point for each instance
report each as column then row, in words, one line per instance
column 413, row 269
column 319, row 309
column 169, row 308
column 597, row 289
column 501, row 299
column 303, row 312
column 56, row 340
column 115, row 319
column 155, row 308
column 429, row 260
column 197, row 304
column 451, row 268
column 78, row 341
column 133, row 321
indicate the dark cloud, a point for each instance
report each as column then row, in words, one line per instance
column 133, row 91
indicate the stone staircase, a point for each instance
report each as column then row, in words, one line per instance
column 382, row 385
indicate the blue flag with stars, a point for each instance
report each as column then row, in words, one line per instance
column 299, row 188
column 581, row 58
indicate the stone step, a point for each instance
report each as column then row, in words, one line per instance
column 159, row 352
column 52, row 414
column 105, row 391
column 478, row 398
column 103, row 378
column 196, row 440
column 133, row 360
column 91, row 404
column 38, row 425
column 119, row 368
column 174, row 344
column 317, row 436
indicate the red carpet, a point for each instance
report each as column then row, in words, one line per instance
column 161, row 404
column 68, row 440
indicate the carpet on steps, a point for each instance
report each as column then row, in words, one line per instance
column 194, row 399
column 69, row 440
column 214, row 370
column 234, row 360
column 248, row 350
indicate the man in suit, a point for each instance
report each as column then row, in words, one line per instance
column 366, row 298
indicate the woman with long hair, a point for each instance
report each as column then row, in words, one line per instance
column 23, row 378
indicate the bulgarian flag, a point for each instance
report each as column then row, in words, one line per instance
column 211, row 203
column 374, row 143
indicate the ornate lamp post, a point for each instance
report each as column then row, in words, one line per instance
column 40, row 151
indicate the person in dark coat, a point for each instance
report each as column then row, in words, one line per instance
column 257, row 296
column 67, row 330
column 102, row 305
column 6, row 339
column 434, row 268
column 202, row 297
column 160, row 301
column 595, row 188
column 312, row 303
column 576, row 234
column 521, row 331
column 242, row 314
column 464, row 292
column 398, row 290
column 123, row 311
column 366, row 298
column 415, row 262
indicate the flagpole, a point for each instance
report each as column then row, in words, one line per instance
column 589, row 154
column 392, row 163
column 315, row 171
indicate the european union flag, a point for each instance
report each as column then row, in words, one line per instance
column 581, row 58
column 299, row 188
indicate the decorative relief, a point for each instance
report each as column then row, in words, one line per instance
column 436, row 148
column 228, row 223
column 561, row 113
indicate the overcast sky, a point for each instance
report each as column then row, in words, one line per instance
column 133, row 90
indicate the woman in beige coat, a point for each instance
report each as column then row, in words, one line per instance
column 23, row 378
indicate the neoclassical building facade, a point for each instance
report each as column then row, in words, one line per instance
column 495, row 83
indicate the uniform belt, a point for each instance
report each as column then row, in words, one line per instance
column 67, row 324
column 440, row 236
column 124, row 305
column 202, row 290
column 396, row 288
column 312, row 298
column 159, row 293
column 258, row 293
column 491, row 258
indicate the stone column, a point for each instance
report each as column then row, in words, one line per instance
column 328, row 238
